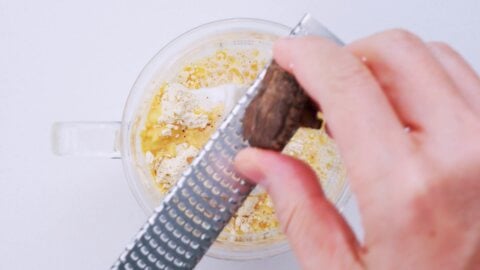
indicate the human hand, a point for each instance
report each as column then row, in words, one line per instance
column 418, row 189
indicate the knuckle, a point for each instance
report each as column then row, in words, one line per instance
column 466, row 156
column 417, row 201
column 466, row 159
column 443, row 48
column 429, row 180
column 312, row 45
column 353, row 73
column 440, row 46
column 401, row 37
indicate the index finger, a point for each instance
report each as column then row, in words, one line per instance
column 358, row 114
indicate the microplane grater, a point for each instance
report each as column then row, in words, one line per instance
column 207, row 195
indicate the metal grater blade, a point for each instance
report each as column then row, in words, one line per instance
column 202, row 202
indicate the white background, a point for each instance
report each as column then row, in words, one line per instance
column 76, row 60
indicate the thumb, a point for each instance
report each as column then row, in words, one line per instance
column 318, row 234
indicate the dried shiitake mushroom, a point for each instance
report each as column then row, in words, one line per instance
column 278, row 110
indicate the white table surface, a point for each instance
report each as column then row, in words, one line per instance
column 76, row 60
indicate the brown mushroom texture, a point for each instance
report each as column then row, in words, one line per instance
column 278, row 110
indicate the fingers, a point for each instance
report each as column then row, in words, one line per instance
column 418, row 87
column 356, row 110
column 463, row 76
column 301, row 206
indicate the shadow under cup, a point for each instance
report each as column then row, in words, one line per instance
column 122, row 139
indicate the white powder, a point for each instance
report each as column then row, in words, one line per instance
column 245, row 227
column 248, row 206
column 183, row 107
column 149, row 157
column 170, row 169
column 179, row 105
column 242, row 223
column 294, row 147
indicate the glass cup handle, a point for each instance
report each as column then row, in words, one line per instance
column 87, row 139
